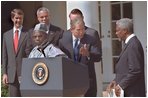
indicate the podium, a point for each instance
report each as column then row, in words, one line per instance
column 53, row 77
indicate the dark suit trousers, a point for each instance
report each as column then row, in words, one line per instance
column 14, row 88
column 92, row 91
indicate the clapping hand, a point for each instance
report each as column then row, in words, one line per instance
column 84, row 50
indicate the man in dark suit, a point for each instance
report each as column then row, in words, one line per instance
column 82, row 48
column 54, row 32
column 76, row 13
column 15, row 47
column 130, row 65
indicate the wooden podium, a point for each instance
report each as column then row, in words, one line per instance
column 53, row 77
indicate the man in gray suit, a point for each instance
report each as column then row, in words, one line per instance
column 76, row 13
column 83, row 48
column 130, row 65
column 15, row 47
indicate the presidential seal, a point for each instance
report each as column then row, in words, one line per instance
column 40, row 73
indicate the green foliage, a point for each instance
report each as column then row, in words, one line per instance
column 4, row 90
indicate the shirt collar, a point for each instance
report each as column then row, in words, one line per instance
column 20, row 28
column 128, row 38
column 74, row 38
column 48, row 27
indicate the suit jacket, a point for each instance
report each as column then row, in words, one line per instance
column 93, row 33
column 11, row 61
column 54, row 34
column 66, row 45
column 130, row 69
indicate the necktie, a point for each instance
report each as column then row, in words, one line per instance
column 76, row 50
column 16, row 40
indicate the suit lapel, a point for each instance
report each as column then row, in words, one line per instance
column 82, row 41
column 126, row 46
column 71, row 45
column 80, row 45
column 51, row 36
column 51, row 33
column 21, row 39
column 123, row 50
column 11, row 40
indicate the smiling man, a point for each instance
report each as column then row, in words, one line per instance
column 15, row 47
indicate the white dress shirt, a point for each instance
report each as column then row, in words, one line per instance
column 128, row 38
column 74, row 40
column 19, row 33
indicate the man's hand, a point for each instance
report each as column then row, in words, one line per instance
column 5, row 79
column 84, row 50
column 111, row 86
column 117, row 90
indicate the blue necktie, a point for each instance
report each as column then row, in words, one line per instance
column 76, row 50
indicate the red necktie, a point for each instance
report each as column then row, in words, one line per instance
column 16, row 40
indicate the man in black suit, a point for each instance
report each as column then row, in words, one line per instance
column 130, row 65
column 15, row 47
column 82, row 48
column 76, row 13
column 54, row 32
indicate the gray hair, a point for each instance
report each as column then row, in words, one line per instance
column 43, row 9
column 125, row 23
column 76, row 21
